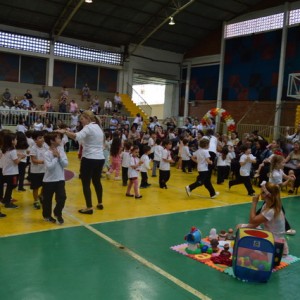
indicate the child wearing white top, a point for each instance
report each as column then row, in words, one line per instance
column 145, row 167
column 55, row 160
column 125, row 157
column 133, row 173
column 37, row 169
column 186, row 157
column 223, row 165
column 157, row 150
column 202, row 158
column 11, row 159
column 22, row 149
column 246, row 161
column 164, row 166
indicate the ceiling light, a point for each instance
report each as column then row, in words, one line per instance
column 171, row 21
column 88, row 1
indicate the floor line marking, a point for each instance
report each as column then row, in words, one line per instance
column 144, row 261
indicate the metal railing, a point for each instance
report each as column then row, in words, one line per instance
column 139, row 100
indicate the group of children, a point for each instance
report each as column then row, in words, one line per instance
column 47, row 158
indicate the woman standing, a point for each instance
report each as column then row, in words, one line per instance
column 91, row 138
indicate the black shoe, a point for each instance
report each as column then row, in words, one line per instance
column 10, row 205
column 154, row 176
column 124, row 184
column 60, row 220
column 229, row 185
column 138, row 197
column 129, row 195
column 50, row 219
column 2, row 215
column 86, row 211
column 148, row 184
column 22, row 190
column 36, row 205
column 100, row 206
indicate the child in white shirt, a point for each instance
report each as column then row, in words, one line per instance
column 164, row 166
column 133, row 173
column 186, row 157
column 145, row 167
column 157, row 150
column 125, row 157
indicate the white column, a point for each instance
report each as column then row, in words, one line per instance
column 187, row 89
column 281, row 71
column 50, row 66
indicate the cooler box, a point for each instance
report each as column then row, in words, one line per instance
column 253, row 255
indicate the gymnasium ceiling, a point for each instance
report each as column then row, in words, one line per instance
column 123, row 22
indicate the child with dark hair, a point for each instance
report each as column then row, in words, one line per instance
column 157, row 150
column 246, row 161
column 11, row 159
column 186, row 157
column 115, row 158
column 133, row 173
column 223, row 165
column 55, row 160
column 125, row 157
column 145, row 167
column 164, row 166
column 37, row 171
column 22, row 149
column 202, row 158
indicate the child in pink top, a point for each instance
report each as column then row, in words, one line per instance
column 115, row 158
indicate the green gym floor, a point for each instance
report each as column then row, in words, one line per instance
column 123, row 252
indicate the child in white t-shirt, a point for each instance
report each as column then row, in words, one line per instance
column 125, row 157
column 164, row 166
column 157, row 150
column 133, row 173
column 145, row 167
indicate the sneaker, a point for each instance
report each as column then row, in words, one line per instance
column 229, row 185
column 188, row 190
column 148, row 184
column 118, row 178
column 10, row 205
column 215, row 195
column 22, row 190
column 290, row 192
column 107, row 175
column 138, row 197
column 291, row 232
column 154, row 176
column 252, row 195
column 100, row 206
column 50, row 219
column 37, row 205
column 60, row 220
column 2, row 215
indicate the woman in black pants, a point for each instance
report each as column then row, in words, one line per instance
column 91, row 138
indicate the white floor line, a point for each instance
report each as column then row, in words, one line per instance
column 144, row 261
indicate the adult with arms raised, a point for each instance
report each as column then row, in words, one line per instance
column 91, row 138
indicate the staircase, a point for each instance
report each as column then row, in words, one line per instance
column 132, row 108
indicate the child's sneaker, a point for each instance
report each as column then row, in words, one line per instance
column 10, row 205
column 60, row 220
column 2, row 215
column 215, row 195
column 107, row 175
column 36, row 205
column 50, row 219
column 118, row 178
column 188, row 190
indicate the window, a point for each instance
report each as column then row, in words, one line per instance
column 255, row 25
column 100, row 56
column 294, row 17
column 24, row 42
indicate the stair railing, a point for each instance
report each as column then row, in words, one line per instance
column 139, row 100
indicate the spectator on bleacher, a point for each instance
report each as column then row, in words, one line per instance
column 96, row 104
column 293, row 137
column 44, row 93
column 62, row 104
column 25, row 104
column 108, row 106
column 28, row 96
column 48, row 105
column 137, row 120
column 74, row 121
column 7, row 98
column 118, row 101
column 86, row 93
column 170, row 123
column 134, row 135
column 15, row 112
column 113, row 123
column 124, row 121
column 64, row 92
column 73, row 106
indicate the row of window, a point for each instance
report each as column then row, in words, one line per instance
column 261, row 24
column 40, row 45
